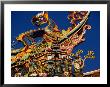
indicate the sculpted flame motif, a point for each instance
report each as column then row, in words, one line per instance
column 53, row 55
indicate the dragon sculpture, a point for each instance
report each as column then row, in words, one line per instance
column 53, row 55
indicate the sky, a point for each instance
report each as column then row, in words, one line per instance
column 21, row 22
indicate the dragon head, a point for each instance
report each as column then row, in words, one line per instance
column 40, row 18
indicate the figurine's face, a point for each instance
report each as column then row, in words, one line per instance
column 40, row 18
